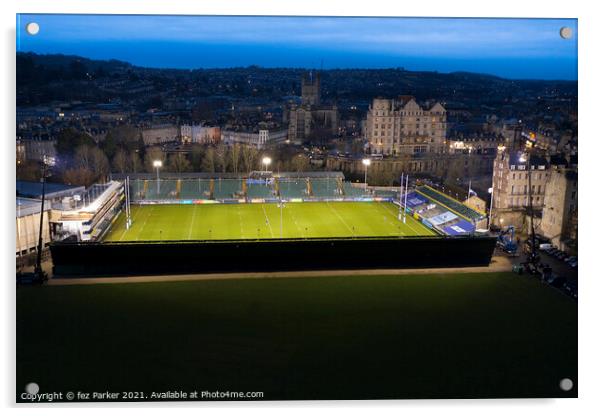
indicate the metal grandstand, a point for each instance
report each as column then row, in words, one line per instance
column 254, row 187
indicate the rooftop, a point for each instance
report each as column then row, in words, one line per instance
column 34, row 189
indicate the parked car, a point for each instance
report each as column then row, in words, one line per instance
column 556, row 281
column 546, row 272
column 570, row 288
column 530, row 268
column 545, row 246
column 570, row 259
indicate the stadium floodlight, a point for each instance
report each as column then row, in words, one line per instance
column 366, row 162
column 266, row 162
column 157, row 164
column 522, row 159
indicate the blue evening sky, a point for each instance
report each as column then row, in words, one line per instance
column 511, row 48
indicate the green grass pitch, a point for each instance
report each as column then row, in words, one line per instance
column 409, row 336
column 263, row 221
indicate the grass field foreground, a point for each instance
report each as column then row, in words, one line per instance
column 413, row 336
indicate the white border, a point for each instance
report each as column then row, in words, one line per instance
column 589, row 92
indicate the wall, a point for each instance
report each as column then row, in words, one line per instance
column 106, row 259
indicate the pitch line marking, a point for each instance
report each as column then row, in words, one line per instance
column 192, row 221
column 408, row 223
column 144, row 223
column 240, row 221
column 396, row 223
column 267, row 220
column 296, row 223
column 125, row 230
column 341, row 218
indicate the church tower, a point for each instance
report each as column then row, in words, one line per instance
column 310, row 89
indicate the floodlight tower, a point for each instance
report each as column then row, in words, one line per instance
column 266, row 162
column 40, row 276
column 366, row 162
column 157, row 164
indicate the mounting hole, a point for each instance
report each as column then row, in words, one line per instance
column 566, row 384
column 32, row 28
column 566, row 32
column 32, row 388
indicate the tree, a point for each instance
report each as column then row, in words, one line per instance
column 109, row 146
column 83, row 157
column 29, row 170
column 221, row 158
column 235, row 157
column 196, row 156
column 125, row 136
column 152, row 154
column 68, row 140
column 249, row 158
column 300, row 163
column 100, row 163
column 208, row 162
column 178, row 163
column 121, row 161
column 135, row 162
column 78, row 176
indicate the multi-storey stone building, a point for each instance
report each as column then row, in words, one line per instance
column 559, row 216
column 401, row 126
column 510, row 187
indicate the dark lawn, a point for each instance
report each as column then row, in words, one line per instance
column 423, row 336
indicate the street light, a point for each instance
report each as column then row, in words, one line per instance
column 489, row 218
column 157, row 164
column 266, row 162
column 366, row 162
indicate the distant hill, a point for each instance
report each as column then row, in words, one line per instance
column 64, row 61
column 45, row 78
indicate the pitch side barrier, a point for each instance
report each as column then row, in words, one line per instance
column 182, row 257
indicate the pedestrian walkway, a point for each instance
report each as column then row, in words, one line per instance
column 498, row 264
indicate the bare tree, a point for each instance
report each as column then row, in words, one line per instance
column 120, row 161
column 235, row 157
column 249, row 158
column 178, row 163
column 208, row 162
column 300, row 163
column 221, row 158
column 135, row 162
column 78, row 176
column 152, row 154
column 100, row 163
column 83, row 157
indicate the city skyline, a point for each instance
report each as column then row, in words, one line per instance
column 509, row 48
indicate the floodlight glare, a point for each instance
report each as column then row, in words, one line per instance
column 157, row 164
column 366, row 162
column 266, row 160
